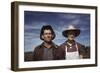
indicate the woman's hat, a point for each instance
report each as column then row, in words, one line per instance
column 71, row 29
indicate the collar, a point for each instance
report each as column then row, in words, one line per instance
column 53, row 45
column 70, row 42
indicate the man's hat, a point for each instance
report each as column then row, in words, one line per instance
column 72, row 29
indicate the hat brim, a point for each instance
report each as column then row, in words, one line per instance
column 65, row 33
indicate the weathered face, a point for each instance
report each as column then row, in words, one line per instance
column 47, row 36
column 71, row 36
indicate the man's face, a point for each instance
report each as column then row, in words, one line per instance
column 47, row 36
column 71, row 36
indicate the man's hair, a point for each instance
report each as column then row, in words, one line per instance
column 47, row 27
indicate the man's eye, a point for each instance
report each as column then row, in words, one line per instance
column 47, row 33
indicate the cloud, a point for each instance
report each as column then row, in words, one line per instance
column 68, row 16
column 58, row 21
column 35, row 25
column 38, row 24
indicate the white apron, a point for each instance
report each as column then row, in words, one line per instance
column 72, row 55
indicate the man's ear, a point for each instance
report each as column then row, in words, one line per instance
column 52, row 36
column 42, row 37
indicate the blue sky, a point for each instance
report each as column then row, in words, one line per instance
column 33, row 21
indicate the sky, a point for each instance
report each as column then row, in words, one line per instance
column 33, row 22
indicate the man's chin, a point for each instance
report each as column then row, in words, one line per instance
column 71, row 39
column 48, row 41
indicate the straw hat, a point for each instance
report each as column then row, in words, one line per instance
column 71, row 28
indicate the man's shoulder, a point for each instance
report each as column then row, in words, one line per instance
column 55, row 45
column 79, row 44
column 62, row 45
column 38, row 47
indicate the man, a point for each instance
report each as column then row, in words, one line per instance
column 71, row 49
column 47, row 50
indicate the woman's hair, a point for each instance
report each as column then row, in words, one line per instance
column 47, row 27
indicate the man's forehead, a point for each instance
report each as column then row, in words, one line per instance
column 47, row 31
column 71, row 32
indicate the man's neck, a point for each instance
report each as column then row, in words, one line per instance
column 71, row 41
column 47, row 44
